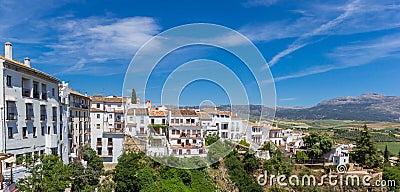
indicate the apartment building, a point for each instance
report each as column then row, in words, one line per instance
column 30, row 111
column 185, row 135
column 108, row 123
column 78, row 122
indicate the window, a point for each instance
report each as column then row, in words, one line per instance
column 97, row 126
column 110, row 116
column 43, row 130
column 98, row 105
column 99, row 142
column 99, row 151
column 43, row 113
column 10, row 133
column 109, row 143
column 54, row 113
column 98, row 116
column 29, row 111
column 48, row 130
column 11, row 110
column 35, row 90
column 141, row 119
column 53, row 92
column 34, row 132
column 9, row 80
column 110, row 151
column 24, row 132
column 54, row 129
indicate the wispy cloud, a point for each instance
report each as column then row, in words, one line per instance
column 288, row 99
column 253, row 3
column 304, row 39
column 86, row 45
column 355, row 54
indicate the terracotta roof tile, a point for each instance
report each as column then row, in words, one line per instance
column 157, row 113
column 138, row 111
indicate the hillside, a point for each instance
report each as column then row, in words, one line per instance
column 366, row 107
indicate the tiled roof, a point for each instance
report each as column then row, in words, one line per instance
column 138, row 111
column 182, row 112
column 203, row 115
column 70, row 91
column 19, row 64
column 157, row 113
column 114, row 99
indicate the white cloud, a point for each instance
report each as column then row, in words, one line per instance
column 86, row 45
column 304, row 39
column 288, row 99
column 254, row 3
column 356, row 54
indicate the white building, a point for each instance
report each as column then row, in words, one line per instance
column 79, row 122
column 185, row 135
column 30, row 111
column 107, row 123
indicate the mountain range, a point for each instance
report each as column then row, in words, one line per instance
column 366, row 107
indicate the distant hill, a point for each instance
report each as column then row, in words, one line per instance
column 366, row 107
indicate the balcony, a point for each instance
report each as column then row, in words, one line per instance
column 36, row 94
column 51, row 140
column 26, row 92
column 29, row 117
column 43, row 117
column 44, row 96
column 11, row 116
column 54, row 118
column 79, row 105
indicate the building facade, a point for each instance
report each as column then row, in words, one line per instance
column 108, row 123
column 30, row 111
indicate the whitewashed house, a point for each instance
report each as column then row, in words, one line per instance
column 30, row 111
column 107, row 122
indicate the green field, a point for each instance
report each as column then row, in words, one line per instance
column 393, row 147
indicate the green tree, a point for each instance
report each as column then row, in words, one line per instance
column 125, row 177
column 244, row 143
column 365, row 152
column 392, row 173
column 251, row 162
column 386, row 154
column 210, row 139
column 301, row 156
column 238, row 174
column 86, row 178
column 49, row 174
column 317, row 144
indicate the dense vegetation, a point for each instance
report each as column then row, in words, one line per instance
column 137, row 172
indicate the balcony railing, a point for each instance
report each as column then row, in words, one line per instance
column 55, row 118
column 43, row 117
column 29, row 117
column 26, row 92
column 80, row 105
column 44, row 96
column 11, row 116
column 36, row 95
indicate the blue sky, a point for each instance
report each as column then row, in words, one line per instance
column 316, row 50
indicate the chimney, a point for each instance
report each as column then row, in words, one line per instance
column 8, row 50
column 27, row 61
